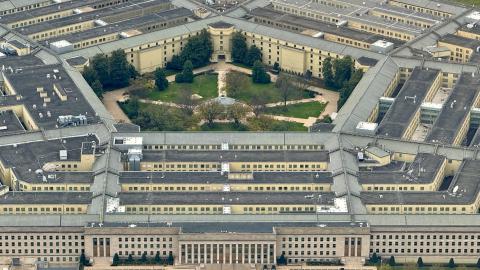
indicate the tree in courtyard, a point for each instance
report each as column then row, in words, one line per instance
column 144, row 259
column 198, row 50
column 253, row 55
column 83, row 259
column 160, row 79
column 343, row 71
column 451, row 263
column 210, row 111
column 235, row 82
column 186, row 76
column 327, row 72
column 185, row 100
column 307, row 75
column 374, row 258
column 348, row 87
column 130, row 259
column 420, row 262
column 91, row 76
column 259, row 75
column 276, row 67
column 170, row 259
column 282, row 260
column 239, row 47
column 119, row 69
column 162, row 118
column 237, row 112
column 391, row 261
column 478, row 263
column 116, row 260
column 100, row 64
column 286, row 87
column 157, row 259
column 258, row 103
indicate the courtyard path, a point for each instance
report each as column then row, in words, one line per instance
column 110, row 101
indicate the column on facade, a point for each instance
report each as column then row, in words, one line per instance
column 262, row 248
column 275, row 253
column 268, row 253
column 180, row 247
column 218, row 253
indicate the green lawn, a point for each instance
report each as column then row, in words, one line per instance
column 301, row 110
column 204, row 85
column 269, row 91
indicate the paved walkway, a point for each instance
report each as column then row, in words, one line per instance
column 110, row 101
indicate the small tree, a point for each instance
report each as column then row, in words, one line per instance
column 210, row 111
column 144, row 259
column 451, row 263
column 259, row 75
column 119, row 69
column 185, row 101
column 258, row 103
column 237, row 112
column 420, row 262
column 83, row 259
column 478, row 263
column 253, row 55
column 130, row 259
column 235, row 82
column 187, row 73
column 160, row 79
column 116, row 260
column 282, row 260
column 276, row 67
column 170, row 259
column 327, row 72
column 158, row 259
column 239, row 47
column 374, row 259
column 391, row 261
column 286, row 87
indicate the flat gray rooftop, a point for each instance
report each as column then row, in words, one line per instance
column 223, row 198
column 422, row 170
column 457, row 107
column 33, row 198
column 25, row 81
column 100, row 14
column 26, row 158
column 407, row 102
column 460, row 41
column 217, row 177
column 236, row 156
column 300, row 23
column 462, row 191
column 9, row 123
column 138, row 23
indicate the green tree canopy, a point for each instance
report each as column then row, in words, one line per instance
column 186, row 76
column 239, row 47
column 253, row 55
column 391, row 261
column 259, row 75
column 161, row 81
column 343, row 71
column 100, row 64
column 420, row 262
column 198, row 50
column 119, row 69
column 327, row 72
column 116, row 260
